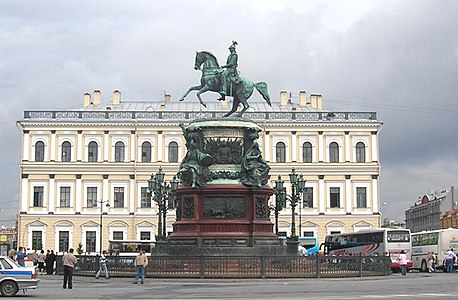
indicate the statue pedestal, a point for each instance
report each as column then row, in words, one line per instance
column 223, row 215
column 292, row 245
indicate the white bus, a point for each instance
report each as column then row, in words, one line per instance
column 383, row 241
column 437, row 241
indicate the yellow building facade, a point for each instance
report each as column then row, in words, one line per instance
column 83, row 172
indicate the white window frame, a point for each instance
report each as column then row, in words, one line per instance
column 116, row 139
column 97, row 185
column 66, row 138
column 275, row 141
column 43, row 184
column 339, row 141
column 314, row 185
column 43, row 236
column 365, row 141
column 126, row 194
column 313, row 142
column 367, row 185
column 40, row 138
column 177, row 140
column 118, row 226
column 66, row 226
column 98, row 140
column 142, row 227
column 331, row 226
column 92, row 227
column 141, row 140
column 139, row 198
column 72, row 193
column 341, row 195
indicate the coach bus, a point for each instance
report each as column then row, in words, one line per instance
column 383, row 241
column 129, row 247
column 437, row 241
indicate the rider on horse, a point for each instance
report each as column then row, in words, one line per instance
column 230, row 74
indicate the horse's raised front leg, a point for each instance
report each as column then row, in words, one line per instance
column 204, row 89
column 193, row 88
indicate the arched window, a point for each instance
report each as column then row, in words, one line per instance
column 280, row 152
column 39, row 151
column 334, row 152
column 360, row 152
column 119, row 151
column 146, row 152
column 307, row 152
column 66, row 152
column 173, row 152
column 92, row 151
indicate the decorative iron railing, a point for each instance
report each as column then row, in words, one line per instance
column 181, row 115
column 239, row 267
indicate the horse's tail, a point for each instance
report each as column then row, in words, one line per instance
column 262, row 89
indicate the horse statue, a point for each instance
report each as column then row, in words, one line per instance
column 240, row 88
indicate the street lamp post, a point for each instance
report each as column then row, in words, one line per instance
column 163, row 193
column 279, row 200
column 297, row 187
column 101, row 221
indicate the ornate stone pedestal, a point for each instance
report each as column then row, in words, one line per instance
column 223, row 215
column 222, row 203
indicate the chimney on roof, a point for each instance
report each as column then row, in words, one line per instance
column 302, row 99
column 96, row 98
column 116, row 97
column 167, row 98
column 316, row 101
column 86, row 99
column 283, row 98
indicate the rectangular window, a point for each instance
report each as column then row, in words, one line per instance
column 307, row 200
column 334, row 196
column 118, row 197
column 91, row 196
column 64, row 241
column 145, row 198
column 90, row 241
column 308, row 234
column 38, row 196
column 64, row 196
column 37, row 240
column 145, row 235
column 118, row 235
column 361, row 200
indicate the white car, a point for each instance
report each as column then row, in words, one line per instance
column 14, row 277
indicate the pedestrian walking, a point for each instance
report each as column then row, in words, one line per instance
column 450, row 258
column 431, row 261
column 403, row 262
column 41, row 261
column 140, row 263
column 69, row 262
column 20, row 256
column 102, row 266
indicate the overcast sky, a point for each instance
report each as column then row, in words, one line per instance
column 397, row 58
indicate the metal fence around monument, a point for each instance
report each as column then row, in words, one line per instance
column 239, row 267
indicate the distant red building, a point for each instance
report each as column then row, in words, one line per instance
column 450, row 219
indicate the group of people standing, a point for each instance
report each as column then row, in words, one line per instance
column 41, row 260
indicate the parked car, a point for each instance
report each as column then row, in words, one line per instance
column 14, row 277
